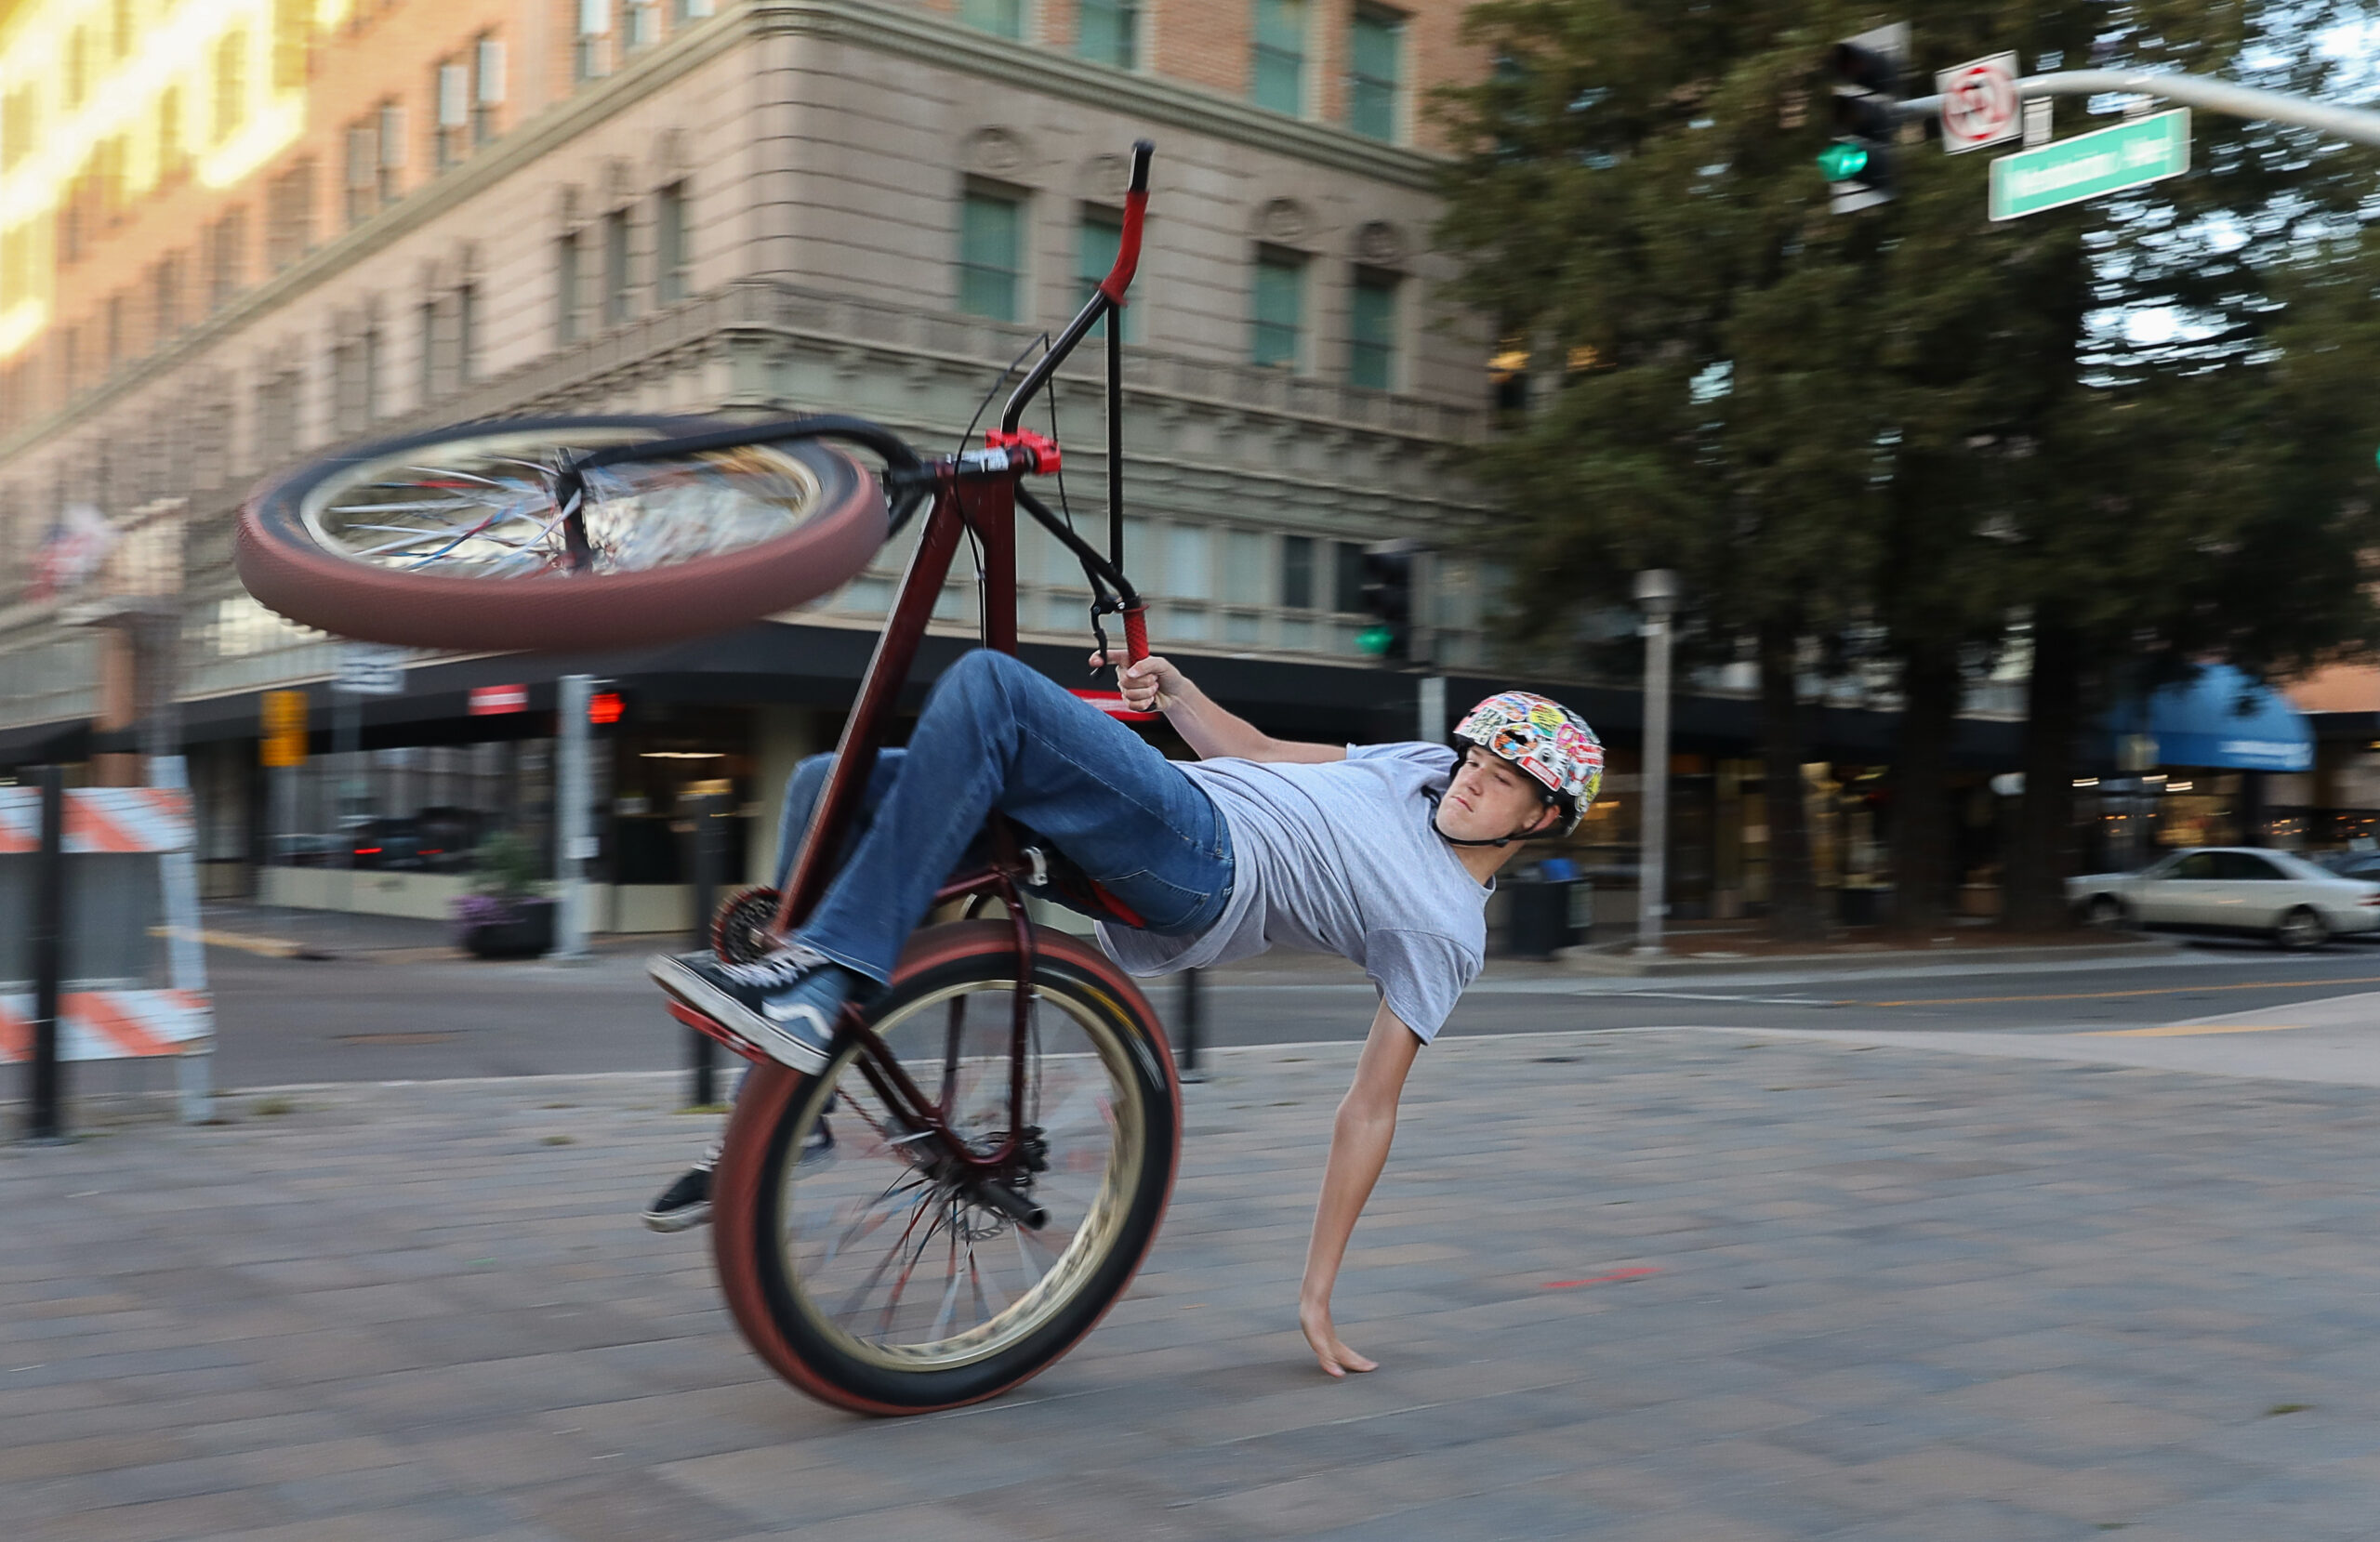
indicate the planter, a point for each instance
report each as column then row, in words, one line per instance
column 529, row 935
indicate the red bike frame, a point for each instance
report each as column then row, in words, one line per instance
column 979, row 492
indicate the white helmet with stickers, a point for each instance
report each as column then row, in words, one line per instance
column 1551, row 744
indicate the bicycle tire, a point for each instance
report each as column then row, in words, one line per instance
column 756, row 1180
column 290, row 566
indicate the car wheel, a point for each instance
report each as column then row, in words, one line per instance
column 2108, row 913
column 2302, row 929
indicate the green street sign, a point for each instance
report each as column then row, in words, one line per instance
column 2131, row 154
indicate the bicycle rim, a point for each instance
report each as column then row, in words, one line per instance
column 483, row 506
column 890, row 1258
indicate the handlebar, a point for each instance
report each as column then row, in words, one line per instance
column 1105, row 299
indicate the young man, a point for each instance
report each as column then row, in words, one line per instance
column 1383, row 854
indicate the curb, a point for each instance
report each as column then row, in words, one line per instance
column 1590, row 961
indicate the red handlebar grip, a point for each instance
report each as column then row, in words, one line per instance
column 1136, row 634
column 1127, row 247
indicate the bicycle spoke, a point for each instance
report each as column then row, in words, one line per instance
column 497, row 490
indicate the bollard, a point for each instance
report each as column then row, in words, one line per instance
column 1192, row 1007
column 709, row 803
column 44, row 1122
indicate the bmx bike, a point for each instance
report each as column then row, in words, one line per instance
column 1004, row 1120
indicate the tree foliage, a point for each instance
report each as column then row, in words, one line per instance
column 2141, row 419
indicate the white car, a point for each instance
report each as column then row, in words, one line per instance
column 2231, row 888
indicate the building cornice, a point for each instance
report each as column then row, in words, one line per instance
column 932, row 39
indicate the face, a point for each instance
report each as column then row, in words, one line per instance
column 1490, row 798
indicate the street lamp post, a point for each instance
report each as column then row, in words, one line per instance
column 1657, row 591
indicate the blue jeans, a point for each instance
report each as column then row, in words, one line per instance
column 995, row 735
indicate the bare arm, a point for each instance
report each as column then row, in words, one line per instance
column 1359, row 1141
column 1155, row 685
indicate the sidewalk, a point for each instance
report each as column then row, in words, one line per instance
column 1686, row 1285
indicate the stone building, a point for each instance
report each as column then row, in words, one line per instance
column 235, row 234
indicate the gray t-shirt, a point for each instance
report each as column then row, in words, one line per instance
column 1338, row 857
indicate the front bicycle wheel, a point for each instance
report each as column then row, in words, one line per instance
column 876, row 1273
column 454, row 538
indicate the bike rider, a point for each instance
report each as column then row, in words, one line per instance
column 1382, row 853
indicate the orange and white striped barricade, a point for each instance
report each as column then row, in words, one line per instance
column 130, row 880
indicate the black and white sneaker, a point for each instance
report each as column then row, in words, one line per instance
column 685, row 1203
column 787, row 1003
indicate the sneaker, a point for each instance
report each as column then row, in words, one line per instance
column 787, row 1003
column 687, row 1202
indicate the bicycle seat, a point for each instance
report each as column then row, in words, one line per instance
column 1053, row 875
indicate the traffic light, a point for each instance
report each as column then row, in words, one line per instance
column 1867, row 71
column 1388, row 599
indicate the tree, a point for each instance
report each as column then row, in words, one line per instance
column 1903, row 424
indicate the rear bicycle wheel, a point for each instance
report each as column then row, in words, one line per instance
column 453, row 539
column 884, row 1280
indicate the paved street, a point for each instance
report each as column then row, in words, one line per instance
column 1701, row 1285
column 407, row 1007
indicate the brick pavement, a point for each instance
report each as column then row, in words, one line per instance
column 1895, row 1293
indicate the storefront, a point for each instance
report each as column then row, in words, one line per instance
column 2215, row 761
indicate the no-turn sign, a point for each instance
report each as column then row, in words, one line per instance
column 1979, row 104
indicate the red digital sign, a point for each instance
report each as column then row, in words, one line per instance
column 604, row 707
column 489, row 700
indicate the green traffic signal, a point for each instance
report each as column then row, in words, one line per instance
column 1375, row 640
column 1841, row 161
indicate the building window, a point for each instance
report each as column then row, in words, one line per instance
column 670, row 280
column 694, row 11
column 617, row 297
column 113, row 330
column 393, row 152
column 452, row 89
column 467, row 334
column 1004, row 17
column 1097, row 240
column 1375, row 68
column 592, row 59
column 1277, row 309
column 173, row 159
column 566, row 289
column 19, row 126
column 1347, row 576
column 166, row 302
column 227, row 258
column 487, row 61
column 369, row 397
column 643, row 24
column 1371, row 330
column 1296, row 572
column 363, row 168
column 991, row 247
column 230, row 86
column 1109, row 32
column 289, row 216
column 1278, row 80
column 426, row 355
column 292, row 40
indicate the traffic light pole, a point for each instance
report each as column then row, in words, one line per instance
column 2215, row 96
column 573, row 823
column 1657, row 591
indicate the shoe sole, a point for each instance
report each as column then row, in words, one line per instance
column 684, row 1218
column 696, row 992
